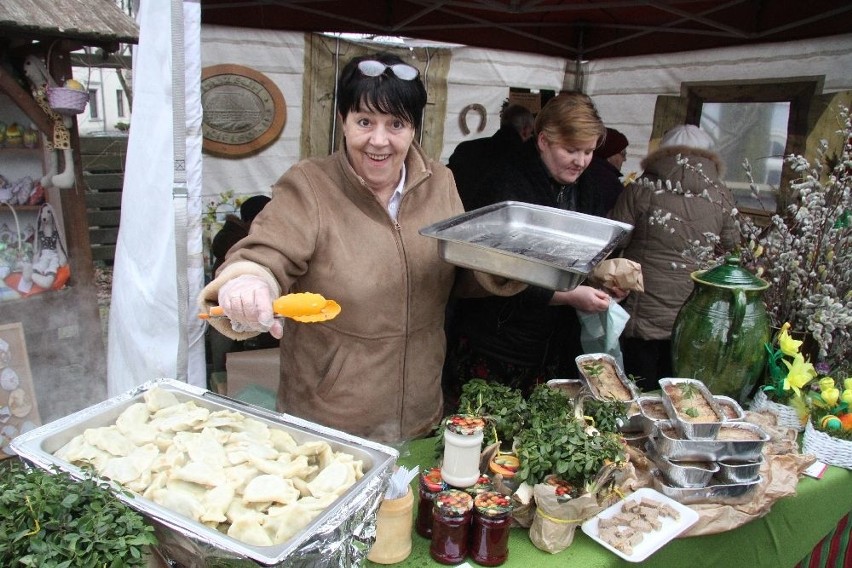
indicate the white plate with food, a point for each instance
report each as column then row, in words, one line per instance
column 641, row 524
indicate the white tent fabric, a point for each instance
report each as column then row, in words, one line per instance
column 145, row 327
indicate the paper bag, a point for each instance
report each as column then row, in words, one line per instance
column 618, row 273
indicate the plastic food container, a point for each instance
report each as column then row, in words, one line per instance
column 462, row 445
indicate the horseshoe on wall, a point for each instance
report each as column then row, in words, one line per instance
column 483, row 117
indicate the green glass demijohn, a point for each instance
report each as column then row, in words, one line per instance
column 720, row 332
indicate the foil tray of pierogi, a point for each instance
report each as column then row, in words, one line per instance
column 536, row 244
column 224, row 482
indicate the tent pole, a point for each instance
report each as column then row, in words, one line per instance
column 180, row 193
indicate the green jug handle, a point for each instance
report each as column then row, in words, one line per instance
column 738, row 308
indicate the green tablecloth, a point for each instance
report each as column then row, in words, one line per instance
column 780, row 539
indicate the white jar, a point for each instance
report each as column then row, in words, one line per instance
column 462, row 447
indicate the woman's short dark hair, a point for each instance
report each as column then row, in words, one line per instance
column 386, row 93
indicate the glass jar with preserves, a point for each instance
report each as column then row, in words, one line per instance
column 462, row 446
column 482, row 485
column 430, row 485
column 492, row 518
column 451, row 517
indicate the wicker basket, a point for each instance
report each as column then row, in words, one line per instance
column 786, row 415
column 67, row 101
column 827, row 449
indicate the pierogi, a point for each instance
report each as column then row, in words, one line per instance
column 222, row 468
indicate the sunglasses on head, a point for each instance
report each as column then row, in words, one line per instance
column 373, row 68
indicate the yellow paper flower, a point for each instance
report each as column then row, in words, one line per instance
column 826, row 383
column 847, row 383
column 788, row 345
column 830, row 396
column 799, row 373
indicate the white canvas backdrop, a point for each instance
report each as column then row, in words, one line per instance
column 153, row 328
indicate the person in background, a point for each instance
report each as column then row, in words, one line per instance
column 472, row 159
column 603, row 176
column 531, row 337
column 347, row 226
column 660, row 246
column 235, row 228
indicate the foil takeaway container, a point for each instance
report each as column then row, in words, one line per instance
column 338, row 536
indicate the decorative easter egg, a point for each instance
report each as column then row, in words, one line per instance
column 846, row 421
column 74, row 84
column 830, row 422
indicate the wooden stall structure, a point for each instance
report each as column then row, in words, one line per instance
column 62, row 327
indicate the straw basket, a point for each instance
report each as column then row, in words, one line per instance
column 786, row 415
column 67, row 101
column 827, row 449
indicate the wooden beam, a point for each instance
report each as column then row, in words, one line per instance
column 25, row 102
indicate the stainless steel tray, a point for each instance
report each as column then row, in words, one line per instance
column 692, row 430
column 189, row 542
column 539, row 245
column 709, row 450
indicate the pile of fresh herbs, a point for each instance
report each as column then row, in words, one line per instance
column 555, row 442
column 51, row 520
column 543, row 430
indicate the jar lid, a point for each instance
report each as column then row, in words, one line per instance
column 453, row 502
column 730, row 274
column 465, row 424
column 492, row 504
column 506, row 465
column 431, row 480
column 482, row 485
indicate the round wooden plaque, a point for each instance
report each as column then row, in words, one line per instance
column 243, row 110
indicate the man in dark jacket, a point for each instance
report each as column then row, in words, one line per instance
column 472, row 159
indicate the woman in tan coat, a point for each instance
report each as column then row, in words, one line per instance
column 347, row 226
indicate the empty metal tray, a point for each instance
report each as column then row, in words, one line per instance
column 539, row 245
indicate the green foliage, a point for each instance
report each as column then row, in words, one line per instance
column 607, row 414
column 503, row 407
column 51, row 520
column 553, row 441
column 543, row 431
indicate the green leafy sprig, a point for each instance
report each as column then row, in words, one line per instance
column 554, row 442
column 51, row 520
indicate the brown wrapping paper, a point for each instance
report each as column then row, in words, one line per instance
column 783, row 464
column 555, row 519
column 618, row 273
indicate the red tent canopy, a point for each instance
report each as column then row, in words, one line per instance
column 584, row 29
